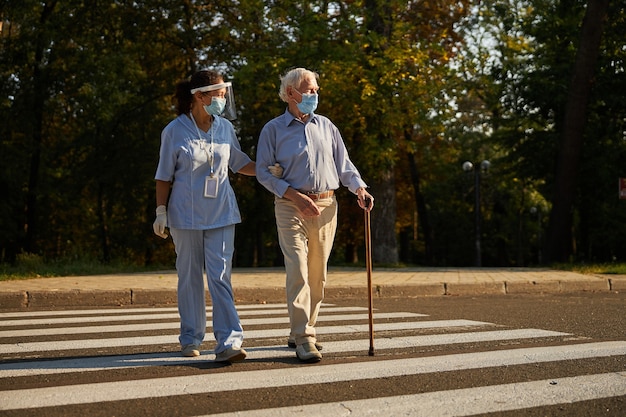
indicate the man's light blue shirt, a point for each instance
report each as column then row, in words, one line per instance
column 312, row 154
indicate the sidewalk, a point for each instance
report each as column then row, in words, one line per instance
column 267, row 285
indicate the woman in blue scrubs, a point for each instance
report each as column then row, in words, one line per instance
column 196, row 201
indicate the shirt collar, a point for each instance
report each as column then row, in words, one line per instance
column 186, row 120
column 288, row 117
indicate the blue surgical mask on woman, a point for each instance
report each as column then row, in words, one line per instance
column 308, row 103
column 216, row 107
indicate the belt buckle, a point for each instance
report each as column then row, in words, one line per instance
column 313, row 196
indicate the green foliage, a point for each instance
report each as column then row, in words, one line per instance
column 602, row 268
column 416, row 88
column 34, row 266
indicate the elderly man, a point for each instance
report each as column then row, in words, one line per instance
column 315, row 163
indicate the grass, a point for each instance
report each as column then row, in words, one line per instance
column 603, row 268
column 33, row 266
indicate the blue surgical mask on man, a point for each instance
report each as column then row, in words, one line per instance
column 216, row 108
column 308, row 103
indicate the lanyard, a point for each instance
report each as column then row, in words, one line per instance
column 209, row 156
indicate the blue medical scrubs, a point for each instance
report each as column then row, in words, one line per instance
column 203, row 226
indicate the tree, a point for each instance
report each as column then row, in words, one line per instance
column 93, row 88
column 532, row 49
column 559, row 240
column 411, row 86
column 387, row 82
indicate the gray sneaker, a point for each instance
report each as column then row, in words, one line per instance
column 231, row 355
column 191, row 350
column 307, row 352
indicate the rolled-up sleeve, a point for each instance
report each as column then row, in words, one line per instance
column 167, row 157
column 238, row 159
column 348, row 173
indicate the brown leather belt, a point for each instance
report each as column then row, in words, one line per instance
column 318, row 196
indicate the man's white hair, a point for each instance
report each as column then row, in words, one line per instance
column 293, row 78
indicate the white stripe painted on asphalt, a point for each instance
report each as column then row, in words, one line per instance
column 219, row 382
column 44, row 313
column 47, row 367
column 463, row 402
column 110, row 318
column 94, row 319
column 138, row 310
column 44, row 331
column 47, row 346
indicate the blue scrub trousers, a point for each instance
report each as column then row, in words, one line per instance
column 214, row 249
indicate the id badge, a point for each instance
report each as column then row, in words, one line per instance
column 210, row 187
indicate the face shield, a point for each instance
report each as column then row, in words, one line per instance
column 229, row 110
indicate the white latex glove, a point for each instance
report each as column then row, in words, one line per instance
column 276, row 170
column 161, row 222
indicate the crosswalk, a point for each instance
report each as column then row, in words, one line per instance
column 123, row 356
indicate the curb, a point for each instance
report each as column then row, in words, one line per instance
column 147, row 297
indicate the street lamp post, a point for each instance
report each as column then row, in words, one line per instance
column 478, row 170
column 537, row 211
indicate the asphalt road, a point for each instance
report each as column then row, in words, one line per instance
column 510, row 355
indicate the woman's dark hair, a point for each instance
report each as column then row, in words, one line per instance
column 182, row 95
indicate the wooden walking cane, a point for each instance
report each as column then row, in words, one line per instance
column 368, row 266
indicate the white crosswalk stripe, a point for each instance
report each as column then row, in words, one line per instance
column 268, row 352
column 463, row 402
column 256, row 334
column 175, row 325
column 128, row 311
column 29, row 348
column 141, row 316
column 151, row 388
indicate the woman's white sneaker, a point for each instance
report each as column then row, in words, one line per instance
column 231, row 355
column 191, row 350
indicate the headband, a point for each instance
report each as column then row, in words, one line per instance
column 211, row 87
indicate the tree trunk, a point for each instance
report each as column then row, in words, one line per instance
column 384, row 243
column 560, row 235
column 105, row 244
column 383, row 221
column 38, row 98
column 422, row 212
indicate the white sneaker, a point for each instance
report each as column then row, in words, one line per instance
column 231, row 355
column 307, row 352
column 191, row 350
column 291, row 343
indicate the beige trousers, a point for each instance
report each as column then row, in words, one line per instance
column 306, row 243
